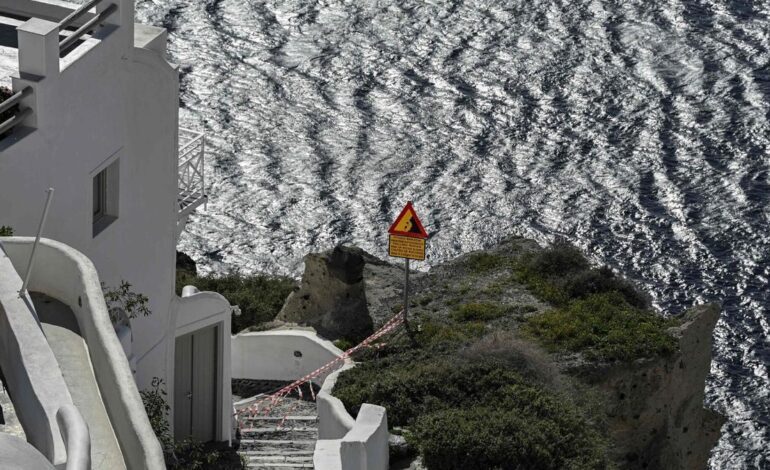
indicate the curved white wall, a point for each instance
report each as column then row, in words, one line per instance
column 67, row 275
column 30, row 368
column 346, row 443
column 270, row 355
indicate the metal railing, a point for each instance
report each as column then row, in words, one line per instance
column 16, row 117
column 192, row 177
column 67, row 43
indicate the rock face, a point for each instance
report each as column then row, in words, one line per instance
column 185, row 263
column 332, row 296
column 655, row 412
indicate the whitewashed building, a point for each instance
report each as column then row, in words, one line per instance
column 94, row 114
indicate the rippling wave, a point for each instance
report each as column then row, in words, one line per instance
column 637, row 129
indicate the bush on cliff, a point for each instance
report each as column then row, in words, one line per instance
column 597, row 313
column 605, row 327
column 560, row 274
column 467, row 413
column 522, row 428
column 259, row 297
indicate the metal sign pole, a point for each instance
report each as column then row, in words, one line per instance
column 37, row 242
column 406, row 300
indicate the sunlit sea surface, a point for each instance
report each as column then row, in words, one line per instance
column 636, row 129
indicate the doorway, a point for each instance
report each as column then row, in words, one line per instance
column 195, row 385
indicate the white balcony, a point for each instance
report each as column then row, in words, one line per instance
column 192, row 182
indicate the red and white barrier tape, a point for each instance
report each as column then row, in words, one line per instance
column 274, row 398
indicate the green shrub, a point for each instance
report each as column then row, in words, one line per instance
column 122, row 298
column 412, row 388
column 194, row 455
column 482, row 311
column 6, row 231
column 260, row 298
column 482, row 262
column 157, row 409
column 560, row 274
column 603, row 326
column 432, row 334
column 474, row 414
column 344, row 344
column 525, row 429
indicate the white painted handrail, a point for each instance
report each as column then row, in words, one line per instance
column 31, row 263
column 77, row 439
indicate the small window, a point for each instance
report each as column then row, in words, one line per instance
column 105, row 197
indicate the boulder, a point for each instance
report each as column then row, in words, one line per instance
column 333, row 296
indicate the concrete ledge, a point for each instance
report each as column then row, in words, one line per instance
column 366, row 445
column 327, row 455
column 69, row 276
column 15, row 454
column 32, row 374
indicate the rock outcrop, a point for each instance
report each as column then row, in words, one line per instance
column 654, row 410
column 342, row 293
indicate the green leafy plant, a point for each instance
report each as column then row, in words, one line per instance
column 464, row 414
column 344, row 344
column 6, row 231
column 525, row 428
column 259, row 297
column 122, row 299
column 157, row 409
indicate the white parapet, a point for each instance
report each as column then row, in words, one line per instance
column 284, row 355
column 69, row 276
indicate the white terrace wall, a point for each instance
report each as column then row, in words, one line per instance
column 272, row 355
column 346, row 443
column 51, row 10
column 67, row 275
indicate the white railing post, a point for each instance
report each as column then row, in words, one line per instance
column 37, row 242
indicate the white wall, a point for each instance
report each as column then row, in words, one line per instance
column 106, row 100
column 334, row 421
column 270, row 355
column 345, row 443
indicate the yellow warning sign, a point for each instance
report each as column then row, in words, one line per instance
column 408, row 224
column 406, row 247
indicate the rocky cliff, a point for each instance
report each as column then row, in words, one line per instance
column 651, row 409
column 654, row 408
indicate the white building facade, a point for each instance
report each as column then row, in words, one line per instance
column 96, row 118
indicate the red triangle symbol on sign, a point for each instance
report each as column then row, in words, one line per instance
column 408, row 224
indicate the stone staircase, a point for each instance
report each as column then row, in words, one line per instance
column 270, row 442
